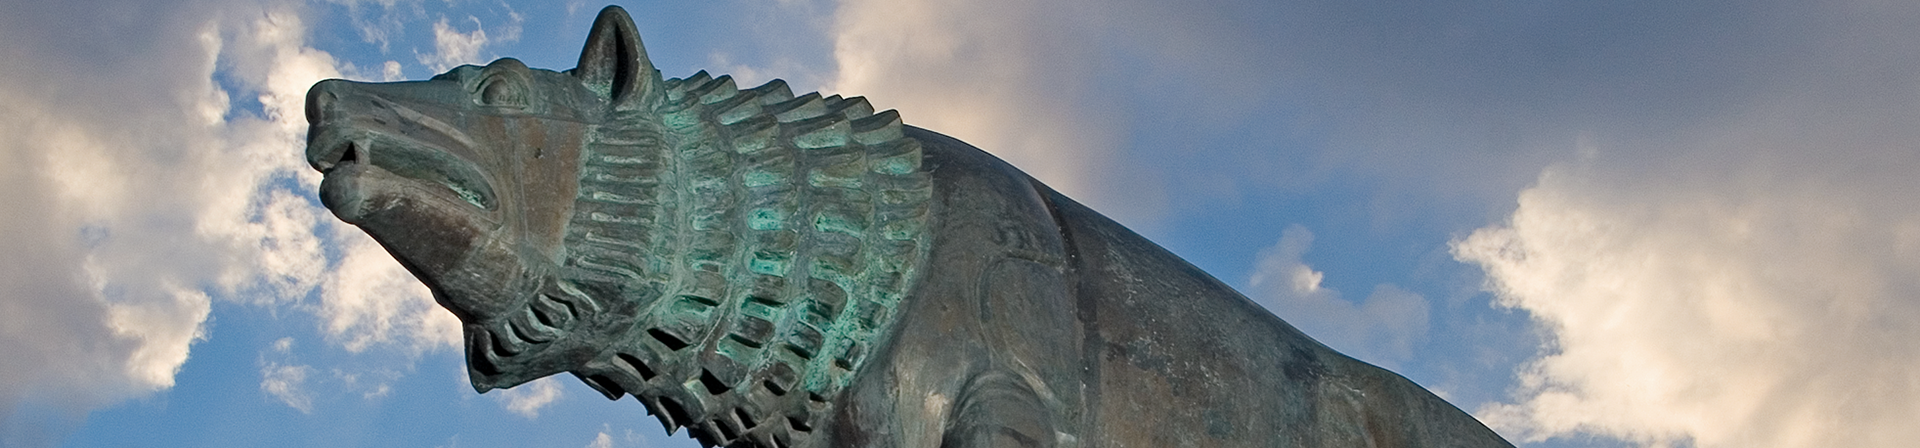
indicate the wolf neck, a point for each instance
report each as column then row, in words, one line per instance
column 759, row 243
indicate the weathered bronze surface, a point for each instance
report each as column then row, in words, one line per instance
column 771, row 270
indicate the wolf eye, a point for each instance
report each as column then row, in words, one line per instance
column 502, row 91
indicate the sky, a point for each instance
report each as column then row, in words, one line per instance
column 1589, row 224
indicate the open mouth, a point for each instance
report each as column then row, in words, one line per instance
column 347, row 155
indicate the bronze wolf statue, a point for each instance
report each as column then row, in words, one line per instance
column 774, row 270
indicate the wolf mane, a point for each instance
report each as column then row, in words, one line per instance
column 759, row 243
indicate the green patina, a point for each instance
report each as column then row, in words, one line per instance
column 754, row 228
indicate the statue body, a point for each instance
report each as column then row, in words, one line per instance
column 1039, row 315
column 779, row 271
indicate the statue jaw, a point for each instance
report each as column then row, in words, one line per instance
column 512, row 309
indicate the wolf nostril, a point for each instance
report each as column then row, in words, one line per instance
column 351, row 155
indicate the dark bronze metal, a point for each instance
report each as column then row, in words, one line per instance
column 774, row 270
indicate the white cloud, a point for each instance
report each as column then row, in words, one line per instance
column 366, row 298
column 606, row 438
column 371, row 384
column 746, row 75
column 136, row 197
column 1003, row 75
column 287, row 383
column 98, row 300
column 601, row 440
column 369, row 298
column 527, row 399
column 1381, row 329
column 382, row 27
column 1760, row 288
column 511, row 31
column 390, row 72
column 453, row 48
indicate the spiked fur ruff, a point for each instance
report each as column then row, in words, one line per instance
column 759, row 243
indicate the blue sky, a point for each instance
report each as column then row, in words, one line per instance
column 1587, row 223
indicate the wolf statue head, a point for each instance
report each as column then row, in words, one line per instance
column 724, row 255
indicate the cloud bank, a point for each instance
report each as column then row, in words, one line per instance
column 1770, row 309
column 141, row 190
column 1749, row 279
column 101, row 299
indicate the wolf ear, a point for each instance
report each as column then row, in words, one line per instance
column 614, row 64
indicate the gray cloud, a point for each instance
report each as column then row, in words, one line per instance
column 1005, row 76
column 1441, row 112
column 1444, row 109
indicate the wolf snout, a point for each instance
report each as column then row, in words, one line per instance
column 320, row 99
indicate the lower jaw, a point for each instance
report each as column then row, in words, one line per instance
column 343, row 191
